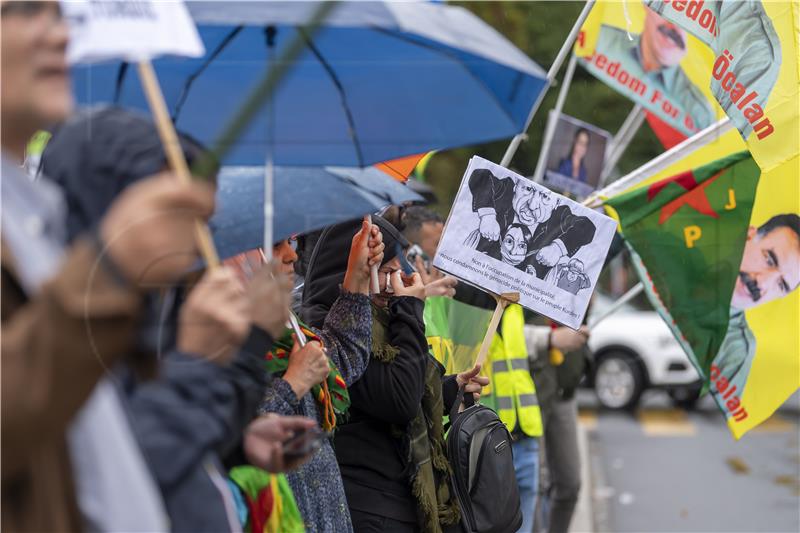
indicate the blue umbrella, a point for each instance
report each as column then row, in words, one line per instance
column 379, row 80
column 306, row 198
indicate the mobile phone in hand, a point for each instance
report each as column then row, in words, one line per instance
column 303, row 443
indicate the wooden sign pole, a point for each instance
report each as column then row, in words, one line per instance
column 175, row 157
column 503, row 301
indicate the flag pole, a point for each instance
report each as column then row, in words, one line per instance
column 646, row 171
column 551, row 76
column 621, row 141
column 175, row 155
column 553, row 119
column 632, row 293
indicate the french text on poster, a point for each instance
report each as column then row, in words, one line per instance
column 506, row 233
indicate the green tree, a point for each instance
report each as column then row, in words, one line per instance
column 539, row 29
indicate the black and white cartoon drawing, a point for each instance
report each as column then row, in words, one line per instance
column 569, row 276
column 554, row 231
column 508, row 234
column 514, row 245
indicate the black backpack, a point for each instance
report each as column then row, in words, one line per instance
column 484, row 483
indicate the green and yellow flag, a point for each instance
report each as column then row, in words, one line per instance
column 717, row 246
column 455, row 331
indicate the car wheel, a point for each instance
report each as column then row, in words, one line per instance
column 685, row 397
column 618, row 381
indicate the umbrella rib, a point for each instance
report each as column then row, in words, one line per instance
column 123, row 69
column 191, row 79
column 339, row 87
column 453, row 57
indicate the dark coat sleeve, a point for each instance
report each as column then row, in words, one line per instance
column 573, row 230
column 197, row 407
column 449, row 392
column 392, row 391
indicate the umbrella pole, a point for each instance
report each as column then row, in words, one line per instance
column 374, row 283
column 269, row 176
column 175, row 156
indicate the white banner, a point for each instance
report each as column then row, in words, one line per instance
column 506, row 233
column 130, row 30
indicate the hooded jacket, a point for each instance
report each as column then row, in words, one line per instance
column 373, row 457
column 327, row 265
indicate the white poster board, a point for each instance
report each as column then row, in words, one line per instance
column 131, row 30
column 506, row 233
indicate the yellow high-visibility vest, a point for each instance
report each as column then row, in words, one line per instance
column 513, row 392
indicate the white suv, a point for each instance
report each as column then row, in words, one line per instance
column 634, row 350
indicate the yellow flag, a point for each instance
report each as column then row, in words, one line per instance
column 754, row 71
column 648, row 59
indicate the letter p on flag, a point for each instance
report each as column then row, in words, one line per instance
column 692, row 234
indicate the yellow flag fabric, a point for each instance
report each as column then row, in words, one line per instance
column 651, row 61
column 755, row 68
column 765, row 329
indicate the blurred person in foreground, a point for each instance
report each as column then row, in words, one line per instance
column 313, row 380
column 210, row 335
column 390, row 449
column 68, row 313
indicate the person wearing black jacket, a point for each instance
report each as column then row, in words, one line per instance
column 390, row 450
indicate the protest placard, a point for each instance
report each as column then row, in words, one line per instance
column 507, row 234
column 575, row 160
column 138, row 31
column 133, row 30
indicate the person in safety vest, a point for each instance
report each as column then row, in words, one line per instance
column 512, row 392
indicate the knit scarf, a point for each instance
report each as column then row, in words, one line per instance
column 331, row 395
column 423, row 438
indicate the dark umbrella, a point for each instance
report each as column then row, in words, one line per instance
column 306, row 198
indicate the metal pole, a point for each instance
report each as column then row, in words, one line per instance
column 707, row 136
column 616, row 306
column 269, row 210
column 551, row 76
column 550, row 131
column 621, row 140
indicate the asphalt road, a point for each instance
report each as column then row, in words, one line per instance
column 662, row 469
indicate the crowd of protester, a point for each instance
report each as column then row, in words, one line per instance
column 142, row 392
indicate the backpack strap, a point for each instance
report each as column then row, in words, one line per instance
column 468, row 400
